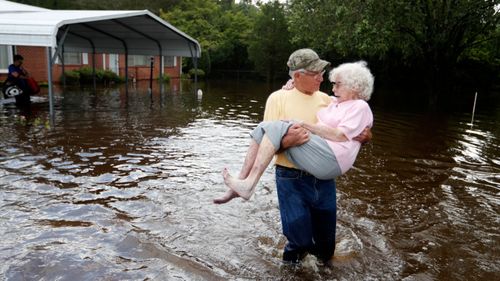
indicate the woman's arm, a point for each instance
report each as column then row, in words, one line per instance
column 325, row 132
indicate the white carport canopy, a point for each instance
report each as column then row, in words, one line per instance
column 117, row 32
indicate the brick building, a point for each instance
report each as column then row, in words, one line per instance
column 35, row 61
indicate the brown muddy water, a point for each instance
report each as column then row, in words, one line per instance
column 119, row 187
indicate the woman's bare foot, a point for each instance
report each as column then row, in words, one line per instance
column 228, row 196
column 241, row 187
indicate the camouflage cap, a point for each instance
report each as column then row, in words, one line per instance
column 306, row 59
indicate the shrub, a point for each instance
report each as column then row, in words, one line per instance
column 86, row 75
column 109, row 76
column 198, row 71
column 164, row 78
column 72, row 76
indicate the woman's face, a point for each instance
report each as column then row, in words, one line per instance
column 342, row 91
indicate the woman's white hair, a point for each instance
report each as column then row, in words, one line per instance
column 356, row 76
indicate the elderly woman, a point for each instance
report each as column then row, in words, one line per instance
column 331, row 150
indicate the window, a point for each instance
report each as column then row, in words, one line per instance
column 5, row 58
column 139, row 60
column 169, row 61
column 72, row 58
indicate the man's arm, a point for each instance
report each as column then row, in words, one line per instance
column 21, row 73
column 296, row 135
column 365, row 136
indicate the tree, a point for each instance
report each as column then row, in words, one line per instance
column 428, row 37
column 440, row 34
column 198, row 18
column 270, row 45
column 221, row 27
column 236, row 25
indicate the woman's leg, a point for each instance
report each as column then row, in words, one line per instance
column 228, row 196
column 245, row 187
column 273, row 131
column 245, row 170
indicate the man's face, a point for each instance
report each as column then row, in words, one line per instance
column 308, row 81
column 18, row 62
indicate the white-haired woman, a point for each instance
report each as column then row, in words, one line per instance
column 331, row 150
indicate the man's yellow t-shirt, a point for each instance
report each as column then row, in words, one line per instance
column 294, row 105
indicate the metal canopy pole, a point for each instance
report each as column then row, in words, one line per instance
column 50, row 60
column 49, row 81
column 60, row 44
column 117, row 38
column 126, row 68
column 151, row 75
column 195, row 62
column 93, row 53
column 61, row 57
column 93, row 68
column 195, row 66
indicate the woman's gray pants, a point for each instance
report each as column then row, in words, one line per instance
column 315, row 156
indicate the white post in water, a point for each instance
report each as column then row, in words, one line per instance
column 473, row 110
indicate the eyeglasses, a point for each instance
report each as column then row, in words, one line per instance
column 336, row 84
column 315, row 75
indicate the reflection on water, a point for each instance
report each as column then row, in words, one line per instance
column 119, row 187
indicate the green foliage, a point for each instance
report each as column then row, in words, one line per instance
column 84, row 76
column 108, row 76
column 270, row 46
column 425, row 37
column 185, row 76
column 165, row 78
column 37, row 122
column 72, row 77
column 356, row 28
column 200, row 73
column 231, row 51
column 223, row 30
column 198, row 18
column 439, row 40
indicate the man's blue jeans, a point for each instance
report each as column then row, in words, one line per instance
column 308, row 208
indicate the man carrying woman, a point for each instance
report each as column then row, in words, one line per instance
column 307, row 204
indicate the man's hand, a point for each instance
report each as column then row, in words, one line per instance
column 365, row 136
column 296, row 135
column 24, row 73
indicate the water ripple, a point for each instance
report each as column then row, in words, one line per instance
column 121, row 188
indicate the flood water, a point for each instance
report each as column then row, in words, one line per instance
column 119, row 187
